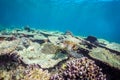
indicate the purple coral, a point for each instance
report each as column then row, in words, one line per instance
column 79, row 69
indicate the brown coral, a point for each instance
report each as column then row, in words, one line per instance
column 31, row 72
column 14, row 74
column 70, row 44
column 36, row 73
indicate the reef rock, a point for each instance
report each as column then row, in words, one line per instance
column 106, row 56
column 49, row 48
column 42, row 55
column 8, row 46
column 68, row 33
column 114, row 46
column 27, row 28
column 54, row 39
column 91, row 39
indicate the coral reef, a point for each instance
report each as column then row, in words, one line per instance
column 49, row 48
column 36, row 73
column 4, row 75
column 68, row 33
column 91, row 39
column 11, row 67
column 43, row 54
column 114, row 46
column 10, row 47
column 69, row 45
column 111, row 45
column 9, row 61
column 38, row 54
column 27, row 28
column 106, row 56
column 31, row 72
column 79, row 69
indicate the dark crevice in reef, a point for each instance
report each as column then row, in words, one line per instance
column 46, row 35
column 111, row 72
column 93, row 42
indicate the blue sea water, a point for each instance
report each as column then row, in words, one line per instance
column 100, row 18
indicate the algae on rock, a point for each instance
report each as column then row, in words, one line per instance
column 106, row 56
column 49, row 48
column 44, row 55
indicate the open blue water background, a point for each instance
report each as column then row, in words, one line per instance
column 100, row 18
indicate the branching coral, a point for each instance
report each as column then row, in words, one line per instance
column 36, row 73
column 14, row 74
column 4, row 75
column 79, row 69
column 31, row 72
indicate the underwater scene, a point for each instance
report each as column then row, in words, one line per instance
column 59, row 39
